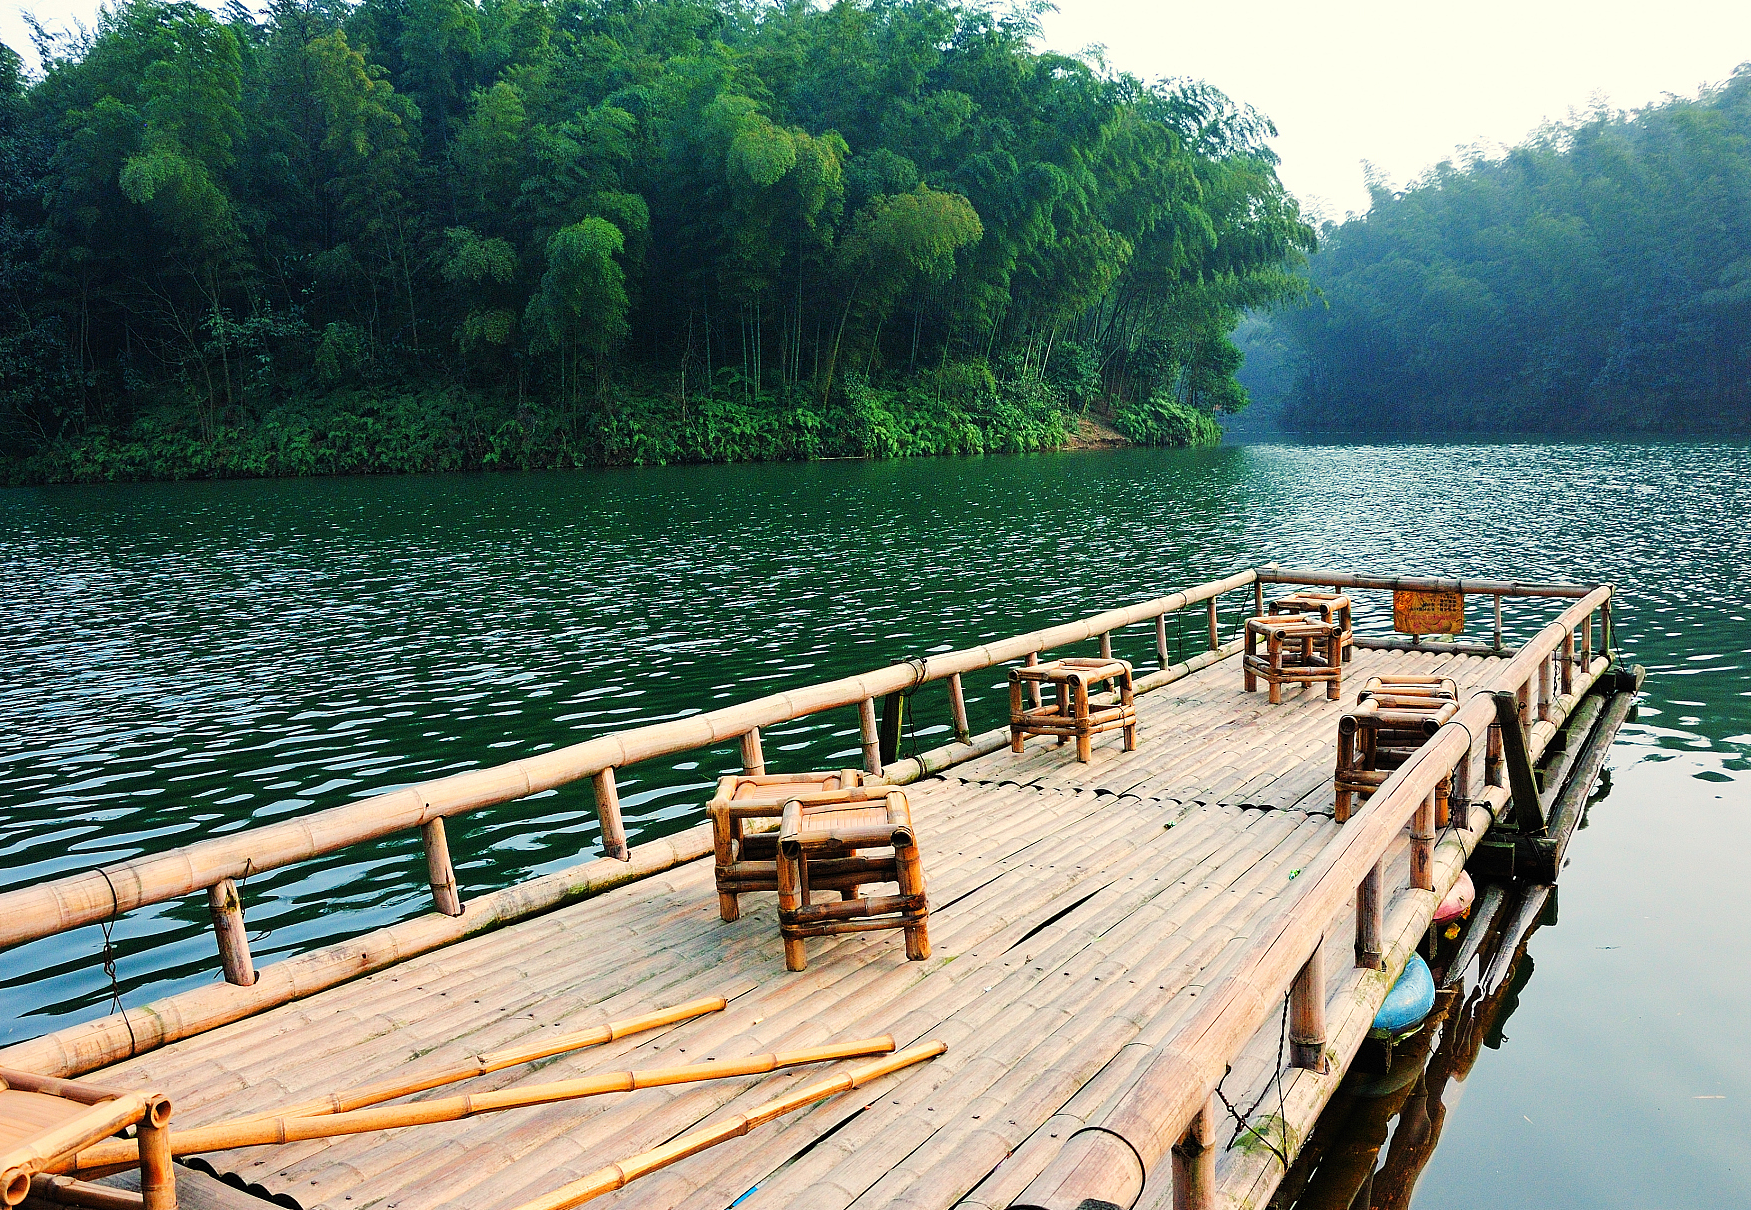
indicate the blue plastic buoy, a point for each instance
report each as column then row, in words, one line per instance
column 1409, row 1001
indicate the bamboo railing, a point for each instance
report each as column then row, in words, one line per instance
column 1167, row 1107
column 215, row 866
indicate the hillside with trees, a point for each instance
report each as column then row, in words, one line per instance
column 435, row 234
column 1596, row 280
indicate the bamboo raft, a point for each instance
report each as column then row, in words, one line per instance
column 1119, row 950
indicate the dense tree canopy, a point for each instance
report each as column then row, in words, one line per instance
column 1596, row 279
column 649, row 229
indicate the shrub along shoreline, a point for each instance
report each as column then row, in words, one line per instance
column 455, row 429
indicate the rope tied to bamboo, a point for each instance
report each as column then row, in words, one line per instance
column 109, row 962
column 1241, row 1120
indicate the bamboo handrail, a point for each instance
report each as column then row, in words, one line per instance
column 1106, row 1161
column 66, row 903
column 1482, row 588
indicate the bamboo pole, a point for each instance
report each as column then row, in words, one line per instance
column 65, row 903
column 1034, row 689
column 157, row 1173
column 753, row 759
column 1423, row 845
column 260, row 1132
column 1370, row 916
column 65, row 1191
column 1498, row 601
column 440, row 873
column 1161, row 639
column 1215, row 635
column 228, row 930
column 1501, row 588
column 1106, row 644
column 618, row 1175
column 1194, row 1162
column 1307, row 1014
column 871, row 736
column 608, row 815
column 486, row 1064
column 957, row 707
column 99, row 1121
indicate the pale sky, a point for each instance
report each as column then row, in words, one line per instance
column 1398, row 84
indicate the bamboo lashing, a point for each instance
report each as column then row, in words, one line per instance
column 619, row 1175
column 486, row 1064
column 258, row 1132
column 1107, row 1160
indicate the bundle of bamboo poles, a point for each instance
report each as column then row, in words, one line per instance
column 359, row 1110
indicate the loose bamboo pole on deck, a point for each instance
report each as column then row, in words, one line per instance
column 1106, row 1161
column 259, row 1132
column 617, row 1176
column 498, row 1060
column 98, row 1121
column 440, row 873
column 65, row 1191
column 228, row 930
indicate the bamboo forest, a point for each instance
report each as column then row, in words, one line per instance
column 429, row 235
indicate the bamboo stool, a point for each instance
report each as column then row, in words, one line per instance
column 1331, row 607
column 1394, row 716
column 1071, row 714
column 45, row 1121
column 826, row 846
column 747, row 860
column 1298, row 650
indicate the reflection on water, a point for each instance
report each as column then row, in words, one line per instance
column 184, row 660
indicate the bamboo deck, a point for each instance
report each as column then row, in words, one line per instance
column 1077, row 912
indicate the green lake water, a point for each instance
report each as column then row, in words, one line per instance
column 184, row 660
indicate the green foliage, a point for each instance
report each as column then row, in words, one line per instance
column 668, row 231
column 1165, row 421
column 1594, row 279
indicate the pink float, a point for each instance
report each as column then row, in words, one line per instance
column 1458, row 901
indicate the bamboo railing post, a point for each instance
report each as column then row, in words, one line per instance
column 753, row 759
column 1460, row 798
column 1423, row 845
column 1194, row 1162
column 1568, row 681
column 1587, row 642
column 1371, row 918
column 440, row 874
column 1034, row 688
column 1492, row 764
column 1215, row 635
column 1161, row 639
column 1607, row 638
column 1258, row 598
column 1307, row 1014
column 871, row 736
column 1541, row 708
column 608, row 814
column 957, row 707
column 228, row 928
column 1498, row 599
column 157, row 1173
column 1106, row 644
column 1524, row 699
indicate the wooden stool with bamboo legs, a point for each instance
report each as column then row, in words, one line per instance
column 747, row 856
column 1394, row 716
column 1073, row 713
column 44, row 1122
column 828, row 846
column 1333, row 607
column 1299, row 650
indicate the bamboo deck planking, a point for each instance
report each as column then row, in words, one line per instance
column 1077, row 911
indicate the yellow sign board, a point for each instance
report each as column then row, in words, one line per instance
column 1428, row 612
